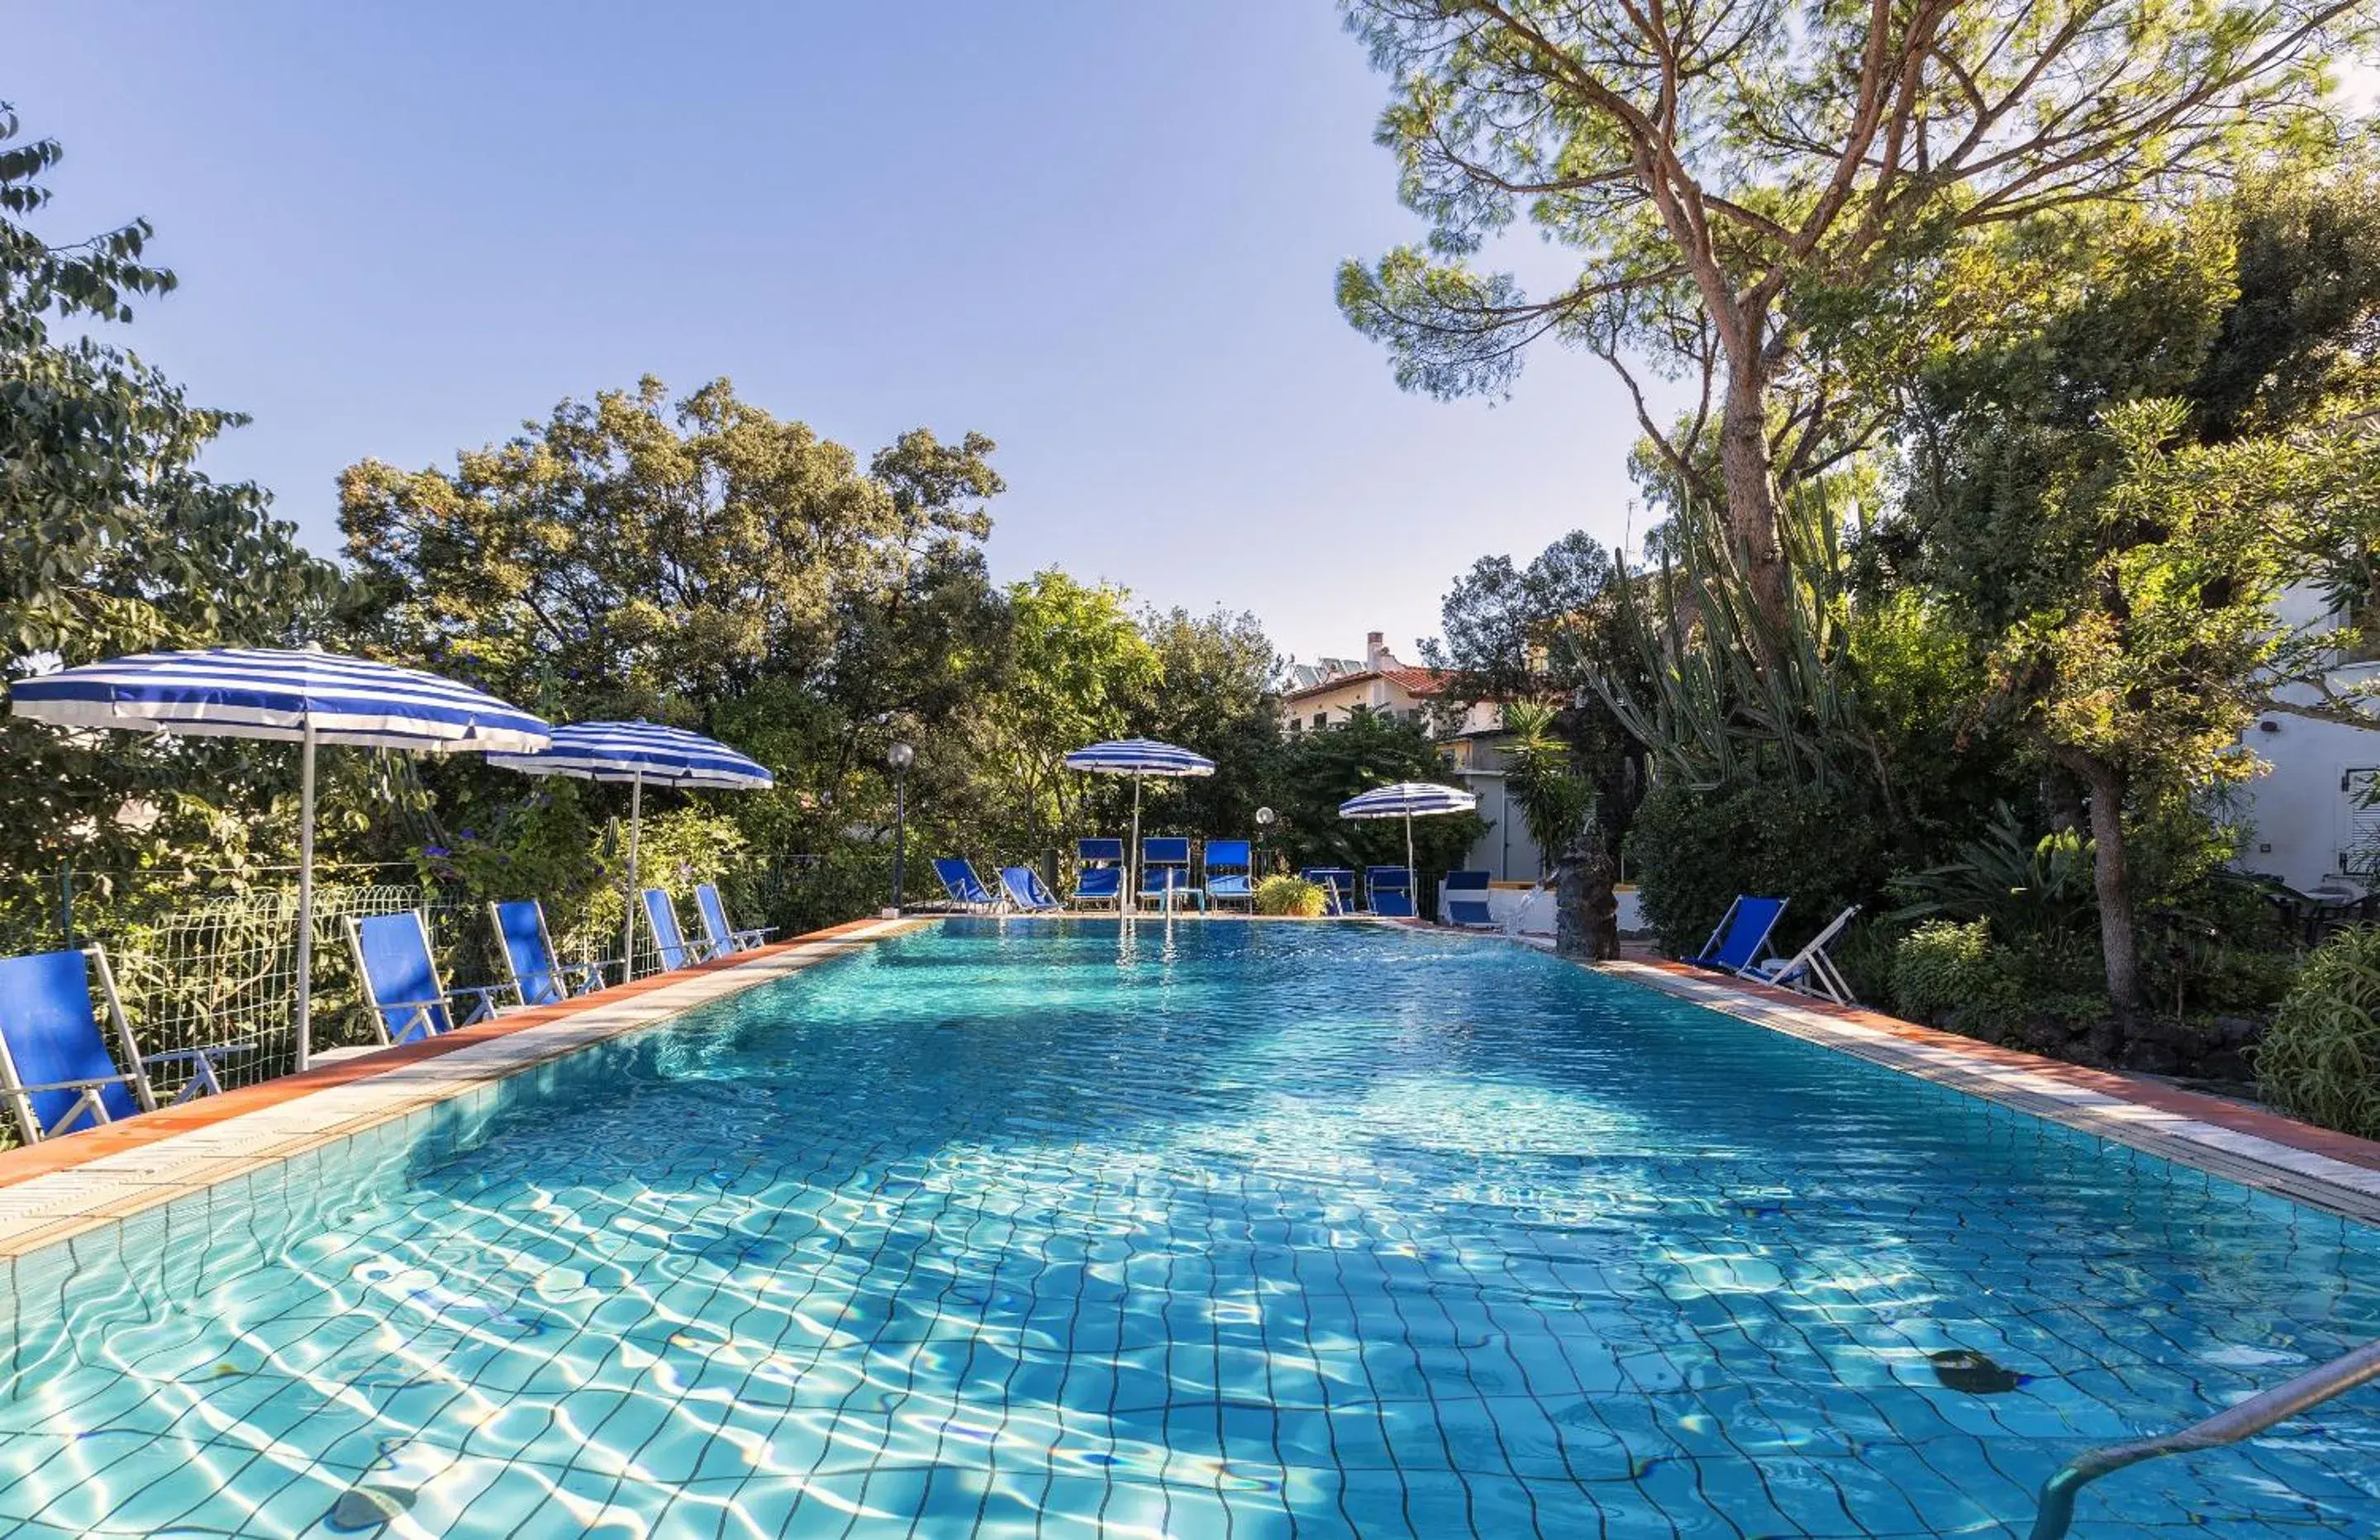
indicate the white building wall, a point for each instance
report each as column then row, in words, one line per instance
column 2306, row 824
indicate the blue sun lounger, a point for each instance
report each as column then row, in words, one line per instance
column 1026, row 891
column 407, row 1000
column 959, row 881
column 1229, row 873
column 1098, row 873
column 660, row 917
column 535, row 970
column 55, row 1071
column 1740, row 934
column 1165, row 872
column 1391, row 892
column 724, row 938
column 1466, row 893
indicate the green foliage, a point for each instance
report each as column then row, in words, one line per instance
column 1693, row 849
column 1319, row 770
column 111, row 540
column 1217, row 692
column 1284, row 894
column 2027, row 889
column 1555, row 799
column 2320, row 1060
column 1949, row 970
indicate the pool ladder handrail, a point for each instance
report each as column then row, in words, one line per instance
column 2230, row 1425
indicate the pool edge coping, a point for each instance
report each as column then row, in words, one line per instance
column 53, row 1191
column 2262, row 1150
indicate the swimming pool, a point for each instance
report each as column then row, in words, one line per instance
column 1057, row 1229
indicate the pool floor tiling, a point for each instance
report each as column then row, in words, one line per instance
column 1076, row 1228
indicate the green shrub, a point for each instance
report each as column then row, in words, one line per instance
column 1945, row 970
column 1290, row 895
column 2320, row 1060
column 1692, row 849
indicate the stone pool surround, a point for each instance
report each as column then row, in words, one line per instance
column 55, row 1190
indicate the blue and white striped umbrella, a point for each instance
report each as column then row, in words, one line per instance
column 1137, row 758
column 254, row 692
column 308, row 697
column 640, row 752
column 1408, row 800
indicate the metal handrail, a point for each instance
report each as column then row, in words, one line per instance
column 2229, row 1427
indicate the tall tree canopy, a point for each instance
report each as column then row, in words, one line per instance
column 1754, row 187
column 111, row 540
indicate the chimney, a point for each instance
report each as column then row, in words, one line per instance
column 1375, row 651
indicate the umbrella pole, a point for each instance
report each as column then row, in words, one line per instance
column 1132, row 852
column 628, row 904
column 1413, row 877
column 306, row 897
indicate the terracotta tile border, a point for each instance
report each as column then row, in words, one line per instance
column 59, row 1188
column 2335, row 1172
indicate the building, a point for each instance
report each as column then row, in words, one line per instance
column 2306, row 809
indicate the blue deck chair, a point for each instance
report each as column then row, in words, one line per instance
column 1026, row 891
column 1165, row 872
column 722, row 938
column 408, row 1000
column 1809, row 971
column 537, row 972
column 55, row 1067
column 1229, row 873
column 959, row 881
column 1741, row 933
column 660, row 917
column 1098, row 873
column 1467, row 901
column 1338, row 884
column 1391, row 892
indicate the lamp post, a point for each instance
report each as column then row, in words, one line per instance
column 1266, row 818
column 899, row 757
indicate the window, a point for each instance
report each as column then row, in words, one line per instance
column 1321, row 720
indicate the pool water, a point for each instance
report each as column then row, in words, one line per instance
column 1063, row 1229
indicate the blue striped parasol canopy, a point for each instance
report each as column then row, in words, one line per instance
column 1409, row 800
column 308, row 698
column 1137, row 758
column 640, row 753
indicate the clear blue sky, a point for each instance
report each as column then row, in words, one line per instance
column 1102, row 232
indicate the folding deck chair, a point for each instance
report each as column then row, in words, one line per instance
column 55, row 1071
column 1741, row 933
column 1026, row 893
column 535, row 970
column 722, row 938
column 1466, row 893
column 1337, row 885
column 660, row 917
column 408, row 1000
column 1165, row 872
column 1098, row 873
column 966, row 890
column 1809, row 971
column 1228, row 872
column 1391, row 890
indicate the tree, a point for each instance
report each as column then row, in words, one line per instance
column 1325, row 768
column 110, row 541
column 1546, row 640
column 2112, row 494
column 1072, row 668
column 1759, row 190
column 1217, row 693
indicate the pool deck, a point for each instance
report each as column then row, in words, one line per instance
column 53, row 1191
